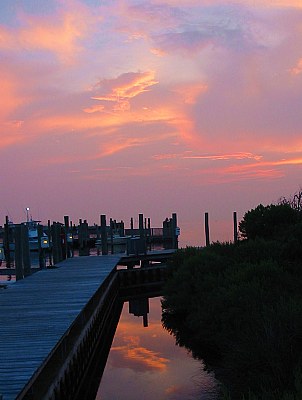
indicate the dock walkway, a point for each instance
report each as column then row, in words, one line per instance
column 36, row 312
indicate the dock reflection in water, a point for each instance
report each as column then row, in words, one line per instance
column 144, row 362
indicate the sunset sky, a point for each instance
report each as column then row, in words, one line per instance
column 125, row 107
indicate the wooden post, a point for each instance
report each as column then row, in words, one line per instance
column 83, row 238
column 166, row 229
column 50, row 241
column 6, row 243
column 87, row 238
column 40, row 249
column 142, row 241
column 56, row 242
column 60, row 236
column 25, row 251
column 141, row 225
column 174, row 236
column 149, row 234
column 111, row 229
column 98, row 240
column 131, row 227
column 80, row 237
column 18, row 252
column 207, row 232
column 67, row 244
column 104, row 235
column 235, row 227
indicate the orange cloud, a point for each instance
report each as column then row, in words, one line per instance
column 190, row 92
column 212, row 157
column 259, row 170
column 59, row 34
column 116, row 146
column 297, row 70
column 284, row 162
column 10, row 99
column 236, row 156
column 134, row 353
column 125, row 87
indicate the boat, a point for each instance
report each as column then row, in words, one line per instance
column 32, row 226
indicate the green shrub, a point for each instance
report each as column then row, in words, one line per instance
column 238, row 306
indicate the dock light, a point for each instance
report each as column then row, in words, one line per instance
column 2, row 254
column 27, row 214
column 44, row 243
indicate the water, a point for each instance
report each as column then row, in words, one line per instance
column 8, row 278
column 144, row 363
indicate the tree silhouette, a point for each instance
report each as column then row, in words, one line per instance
column 267, row 221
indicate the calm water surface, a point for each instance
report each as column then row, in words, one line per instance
column 144, row 362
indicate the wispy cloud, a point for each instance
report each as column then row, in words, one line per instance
column 139, row 357
column 124, row 88
column 236, row 156
column 211, row 157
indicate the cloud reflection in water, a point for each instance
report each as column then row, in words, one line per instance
column 146, row 363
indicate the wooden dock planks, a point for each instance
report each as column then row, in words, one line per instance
column 35, row 313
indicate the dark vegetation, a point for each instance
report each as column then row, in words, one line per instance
column 238, row 306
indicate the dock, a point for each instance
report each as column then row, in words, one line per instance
column 53, row 321
column 37, row 311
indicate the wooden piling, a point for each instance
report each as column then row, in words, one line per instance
column 18, row 252
column 111, row 229
column 131, row 226
column 83, row 238
column 166, row 233
column 97, row 240
column 141, row 225
column 67, row 231
column 142, row 242
column 56, row 242
column 235, row 227
column 6, row 243
column 50, row 241
column 25, row 251
column 41, row 250
column 207, row 231
column 174, row 235
column 104, row 235
column 149, row 234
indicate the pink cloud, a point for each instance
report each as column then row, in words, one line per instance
column 137, row 356
column 297, row 70
column 124, row 87
column 59, row 34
